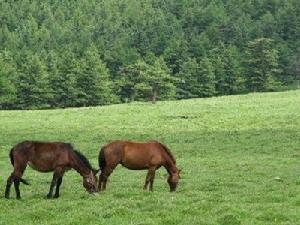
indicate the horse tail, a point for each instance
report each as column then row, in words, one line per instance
column 101, row 158
column 168, row 151
column 11, row 156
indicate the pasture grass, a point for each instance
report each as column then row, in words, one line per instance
column 240, row 157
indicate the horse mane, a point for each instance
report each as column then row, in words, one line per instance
column 83, row 159
column 167, row 150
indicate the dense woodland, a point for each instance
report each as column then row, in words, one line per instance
column 58, row 53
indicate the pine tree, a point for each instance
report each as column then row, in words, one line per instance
column 144, row 81
column 196, row 79
column 206, row 78
column 61, row 33
column 8, row 95
column 130, row 80
column 63, row 79
column 235, row 79
column 187, row 83
column 158, row 79
column 33, row 88
column 227, row 69
column 296, row 67
column 262, row 65
column 93, row 82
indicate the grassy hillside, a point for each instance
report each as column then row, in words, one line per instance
column 240, row 157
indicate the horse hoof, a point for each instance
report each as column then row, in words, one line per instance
column 48, row 196
column 56, row 196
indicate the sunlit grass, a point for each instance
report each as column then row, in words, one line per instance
column 240, row 157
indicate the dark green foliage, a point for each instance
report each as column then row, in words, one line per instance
column 63, row 79
column 84, row 53
column 262, row 65
column 144, row 81
column 33, row 88
column 296, row 66
column 227, row 68
column 187, row 78
column 196, row 79
column 7, row 87
column 130, row 78
column 157, row 81
column 206, row 78
column 93, row 84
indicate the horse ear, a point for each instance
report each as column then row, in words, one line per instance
column 179, row 171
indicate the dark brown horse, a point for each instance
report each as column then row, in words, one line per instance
column 138, row 156
column 47, row 157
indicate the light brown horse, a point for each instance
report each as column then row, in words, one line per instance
column 46, row 157
column 138, row 156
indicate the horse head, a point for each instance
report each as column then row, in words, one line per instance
column 173, row 179
column 90, row 182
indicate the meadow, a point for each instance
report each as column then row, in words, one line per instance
column 240, row 157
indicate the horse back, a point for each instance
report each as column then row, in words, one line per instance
column 21, row 149
column 133, row 155
column 42, row 156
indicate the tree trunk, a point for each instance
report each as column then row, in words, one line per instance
column 154, row 95
column 132, row 97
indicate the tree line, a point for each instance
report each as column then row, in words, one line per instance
column 58, row 53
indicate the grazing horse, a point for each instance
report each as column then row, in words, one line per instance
column 138, row 156
column 47, row 157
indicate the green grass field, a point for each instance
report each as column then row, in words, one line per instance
column 240, row 157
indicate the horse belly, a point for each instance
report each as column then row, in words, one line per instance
column 41, row 166
column 135, row 166
column 137, row 162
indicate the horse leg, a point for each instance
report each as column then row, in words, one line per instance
column 17, row 189
column 54, row 181
column 10, row 180
column 100, row 184
column 15, row 178
column 59, row 181
column 104, row 177
column 149, row 178
column 152, row 176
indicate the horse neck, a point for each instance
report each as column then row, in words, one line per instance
column 170, row 165
column 79, row 166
